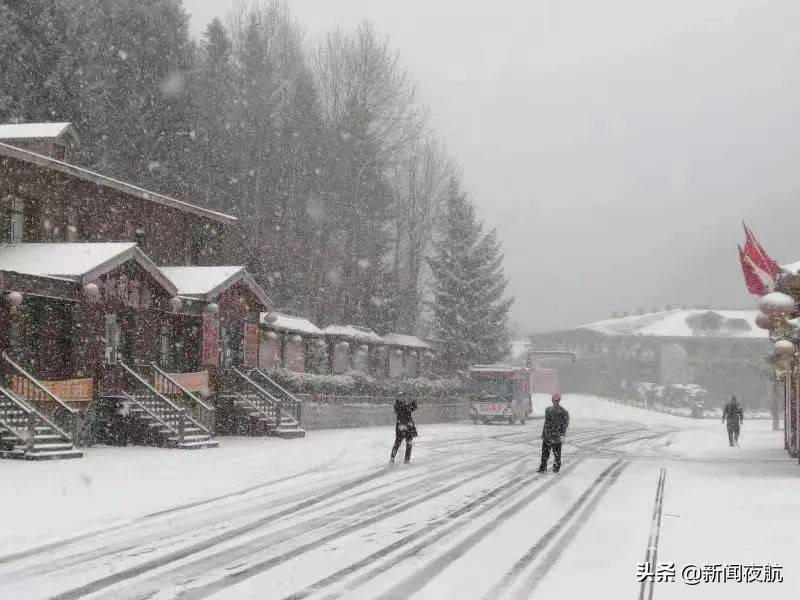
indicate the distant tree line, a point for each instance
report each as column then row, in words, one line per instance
column 350, row 209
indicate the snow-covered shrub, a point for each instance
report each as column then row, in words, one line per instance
column 356, row 383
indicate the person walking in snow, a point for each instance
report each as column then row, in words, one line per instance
column 404, row 429
column 734, row 414
column 556, row 422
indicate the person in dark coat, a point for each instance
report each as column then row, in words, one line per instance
column 734, row 414
column 404, row 429
column 556, row 422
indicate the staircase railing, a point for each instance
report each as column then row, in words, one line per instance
column 47, row 405
column 293, row 402
column 252, row 385
column 25, row 428
column 179, row 430
column 167, row 404
column 275, row 416
column 173, row 390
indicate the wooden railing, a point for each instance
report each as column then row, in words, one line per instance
column 167, row 386
column 54, row 411
column 270, row 412
column 159, row 414
column 156, row 404
column 289, row 400
column 22, row 426
column 249, row 384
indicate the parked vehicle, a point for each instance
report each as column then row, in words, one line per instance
column 500, row 393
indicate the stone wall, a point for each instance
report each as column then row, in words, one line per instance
column 358, row 413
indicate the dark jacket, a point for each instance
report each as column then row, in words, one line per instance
column 556, row 421
column 733, row 413
column 405, row 422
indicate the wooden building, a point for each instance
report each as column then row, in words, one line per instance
column 293, row 343
column 210, row 346
column 218, row 322
column 720, row 350
column 88, row 313
column 407, row 355
column 55, row 140
column 46, row 200
column 353, row 348
column 77, row 319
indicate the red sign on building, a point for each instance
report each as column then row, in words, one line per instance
column 210, row 340
column 251, row 342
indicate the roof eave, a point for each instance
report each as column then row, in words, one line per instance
column 141, row 258
column 105, row 181
column 244, row 276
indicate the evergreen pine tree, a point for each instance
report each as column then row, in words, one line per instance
column 213, row 90
column 469, row 307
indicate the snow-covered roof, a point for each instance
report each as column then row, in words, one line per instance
column 406, row 341
column 792, row 268
column 81, row 262
column 209, row 282
column 199, row 281
column 684, row 323
column 36, row 131
column 290, row 323
column 361, row 334
column 101, row 180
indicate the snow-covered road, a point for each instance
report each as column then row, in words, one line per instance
column 326, row 517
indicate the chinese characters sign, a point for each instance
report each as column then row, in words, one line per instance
column 666, row 572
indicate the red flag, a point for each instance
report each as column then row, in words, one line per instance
column 759, row 256
column 751, row 279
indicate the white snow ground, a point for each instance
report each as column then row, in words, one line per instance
column 326, row 517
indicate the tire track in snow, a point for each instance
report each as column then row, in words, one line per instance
column 481, row 505
column 651, row 554
column 60, row 543
column 421, row 577
column 102, row 583
column 132, row 572
column 268, row 564
column 544, row 565
column 44, row 548
column 264, row 565
column 375, row 572
column 149, row 565
column 221, row 520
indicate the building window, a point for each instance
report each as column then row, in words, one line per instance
column 15, row 222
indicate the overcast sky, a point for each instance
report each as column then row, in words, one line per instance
column 616, row 145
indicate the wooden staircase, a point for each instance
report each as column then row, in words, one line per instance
column 265, row 413
column 28, row 418
column 167, row 423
